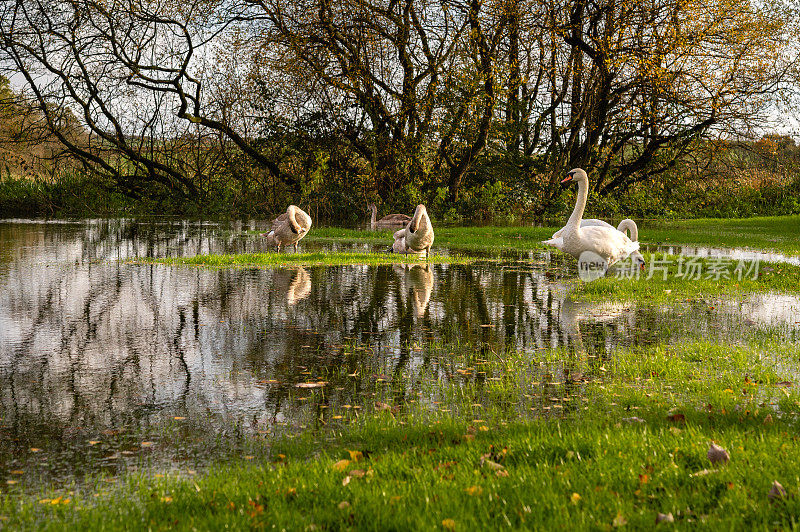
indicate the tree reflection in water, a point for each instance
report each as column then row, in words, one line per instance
column 88, row 340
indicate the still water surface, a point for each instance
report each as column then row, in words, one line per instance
column 97, row 354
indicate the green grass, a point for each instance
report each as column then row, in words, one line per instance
column 779, row 233
column 774, row 233
column 305, row 259
column 628, row 441
column 660, row 281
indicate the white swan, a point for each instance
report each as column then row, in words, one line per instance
column 417, row 236
column 289, row 228
column 627, row 226
column 606, row 242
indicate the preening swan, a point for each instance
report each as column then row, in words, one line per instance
column 606, row 242
column 626, row 225
column 289, row 228
column 417, row 236
column 390, row 220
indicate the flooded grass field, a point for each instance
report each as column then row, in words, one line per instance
column 118, row 363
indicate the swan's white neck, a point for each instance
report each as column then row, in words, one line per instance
column 574, row 222
column 416, row 220
column 629, row 225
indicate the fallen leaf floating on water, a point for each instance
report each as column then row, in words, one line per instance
column 718, row 454
column 777, row 492
column 665, row 518
column 319, row 384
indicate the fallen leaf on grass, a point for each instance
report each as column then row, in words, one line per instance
column 355, row 456
column 665, row 518
column 474, row 490
column 494, row 466
column 575, row 498
column 703, row 473
column 341, row 465
column 619, row 520
column 343, row 505
column 768, row 420
column 677, row 418
column 633, row 419
column 346, row 480
column 357, row 473
column 777, row 492
column 449, row 524
column 717, row 454
column 501, row 473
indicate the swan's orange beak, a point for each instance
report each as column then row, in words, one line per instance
column 567, row 179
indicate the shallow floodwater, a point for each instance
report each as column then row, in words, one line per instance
column 105, row 364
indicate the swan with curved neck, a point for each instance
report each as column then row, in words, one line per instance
column 417, row 236
column 607, row 242
column 289, row 228
column 626, row 225
column 388, row 220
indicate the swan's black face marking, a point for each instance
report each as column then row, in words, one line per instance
column 570, row 177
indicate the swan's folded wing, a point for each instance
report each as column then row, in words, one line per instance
column 609, row 243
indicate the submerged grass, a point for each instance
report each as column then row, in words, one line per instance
column 336, row 258
column 625, row 440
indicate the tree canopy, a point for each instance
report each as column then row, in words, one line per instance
column 397, row 99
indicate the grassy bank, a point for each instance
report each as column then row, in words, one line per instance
column 668, row 278
column 779, row 233
column 619, row 443
column 271, row 260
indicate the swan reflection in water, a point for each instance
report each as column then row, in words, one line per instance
column 417, row 279
column 573, row 313
column 295, row 281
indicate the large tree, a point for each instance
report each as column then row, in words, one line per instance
column 418, row 90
